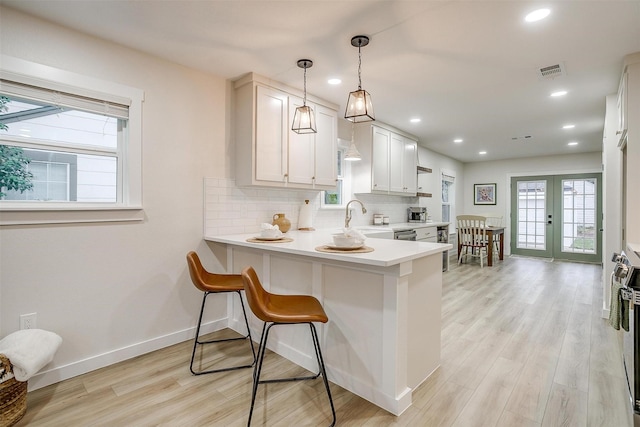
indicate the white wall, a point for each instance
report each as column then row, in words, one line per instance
column 500, row 173
column 633, row 149
column 115, row 290
column 611, row 197
column 433, row 183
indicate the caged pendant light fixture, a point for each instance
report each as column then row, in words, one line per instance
column 359, row 106
column 304, row 121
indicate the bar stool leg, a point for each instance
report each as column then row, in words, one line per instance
column 316, row 344
column 196, row 341
column 258, row 368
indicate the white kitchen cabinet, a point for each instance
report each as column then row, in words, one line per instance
column 325, row 148
column 268, row 152
column 427, row 234
column 389, row 161
column 403, row 163
column 381, row 142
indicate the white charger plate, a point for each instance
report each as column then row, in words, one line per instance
column 268, row 239
column 344, row 248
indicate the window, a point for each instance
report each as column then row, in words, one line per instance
column 448, row 196
column 335, row 198
column 72, row 144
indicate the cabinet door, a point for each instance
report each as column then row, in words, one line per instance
column 271, row 135
column 381, row 139
column 396, row 157
column 326, row 147
column 427, row 234
column 301, row 161
column 403, row 174
column 410, row 166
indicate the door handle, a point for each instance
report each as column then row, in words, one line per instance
column 549, row 222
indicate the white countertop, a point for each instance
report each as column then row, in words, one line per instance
column 413, row 225
column 386, row 252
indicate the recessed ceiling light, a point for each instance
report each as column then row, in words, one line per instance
column 537, row 15
column 482, row 153
column 568, row 126
column 415, row 120
column 458, row 140
column 334, row 81
column 572, row 143
column 559, row 93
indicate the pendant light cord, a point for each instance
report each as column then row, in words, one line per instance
column 359, row 65
column 304, row 101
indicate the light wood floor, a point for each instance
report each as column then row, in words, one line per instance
column 523, row 344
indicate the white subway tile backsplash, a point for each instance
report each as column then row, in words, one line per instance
column 232, row 210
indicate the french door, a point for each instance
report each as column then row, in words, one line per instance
column 557, row 216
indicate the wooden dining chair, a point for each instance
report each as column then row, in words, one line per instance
column 472, row 235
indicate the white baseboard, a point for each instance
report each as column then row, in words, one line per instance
column 61, row 373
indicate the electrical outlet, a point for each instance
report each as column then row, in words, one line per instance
column 28, row 321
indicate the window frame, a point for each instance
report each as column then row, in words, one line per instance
column 452, row 193
column 343, row 178
column 129, row 206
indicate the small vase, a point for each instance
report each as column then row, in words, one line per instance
column 283, row 223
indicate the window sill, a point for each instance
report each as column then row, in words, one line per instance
column 332, row 207
column 20, row 214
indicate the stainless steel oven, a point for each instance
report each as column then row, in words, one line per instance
column 627, row 273
column 405, row 235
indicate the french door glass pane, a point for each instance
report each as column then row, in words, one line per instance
column 531, row 215
column 579, row 215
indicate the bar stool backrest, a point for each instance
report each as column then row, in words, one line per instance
column 257, row 297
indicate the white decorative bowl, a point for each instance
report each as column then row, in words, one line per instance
column 270, row 234
column 344, row 241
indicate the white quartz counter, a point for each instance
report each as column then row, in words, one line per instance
column 386, row 252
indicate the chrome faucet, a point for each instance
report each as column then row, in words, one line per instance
column 347, row 216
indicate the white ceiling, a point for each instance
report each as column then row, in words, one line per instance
column 468, row 69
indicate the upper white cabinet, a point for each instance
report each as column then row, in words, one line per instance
column 389, row 161
column 268, row 152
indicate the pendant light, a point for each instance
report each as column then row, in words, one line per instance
column 352, row 153
column 359, row 106
column 304, row 121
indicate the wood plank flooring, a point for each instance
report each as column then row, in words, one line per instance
column 523, row 345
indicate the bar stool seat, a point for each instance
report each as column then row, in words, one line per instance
column 211, row 283
column 275, row 309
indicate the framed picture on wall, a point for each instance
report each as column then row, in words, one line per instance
column 484, row 194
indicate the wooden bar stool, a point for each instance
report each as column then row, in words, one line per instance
column 211, row 283
column 274, row 309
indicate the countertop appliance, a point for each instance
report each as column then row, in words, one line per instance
column 627, row 272
column 417, row 214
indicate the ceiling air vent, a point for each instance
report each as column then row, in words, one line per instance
column 551, row 71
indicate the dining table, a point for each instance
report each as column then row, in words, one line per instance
column 492, row 231
column 495, row 231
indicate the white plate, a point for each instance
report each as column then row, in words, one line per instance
column 344, row 248
column 268, row 239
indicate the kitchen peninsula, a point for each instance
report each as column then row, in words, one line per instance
column 383, row 335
